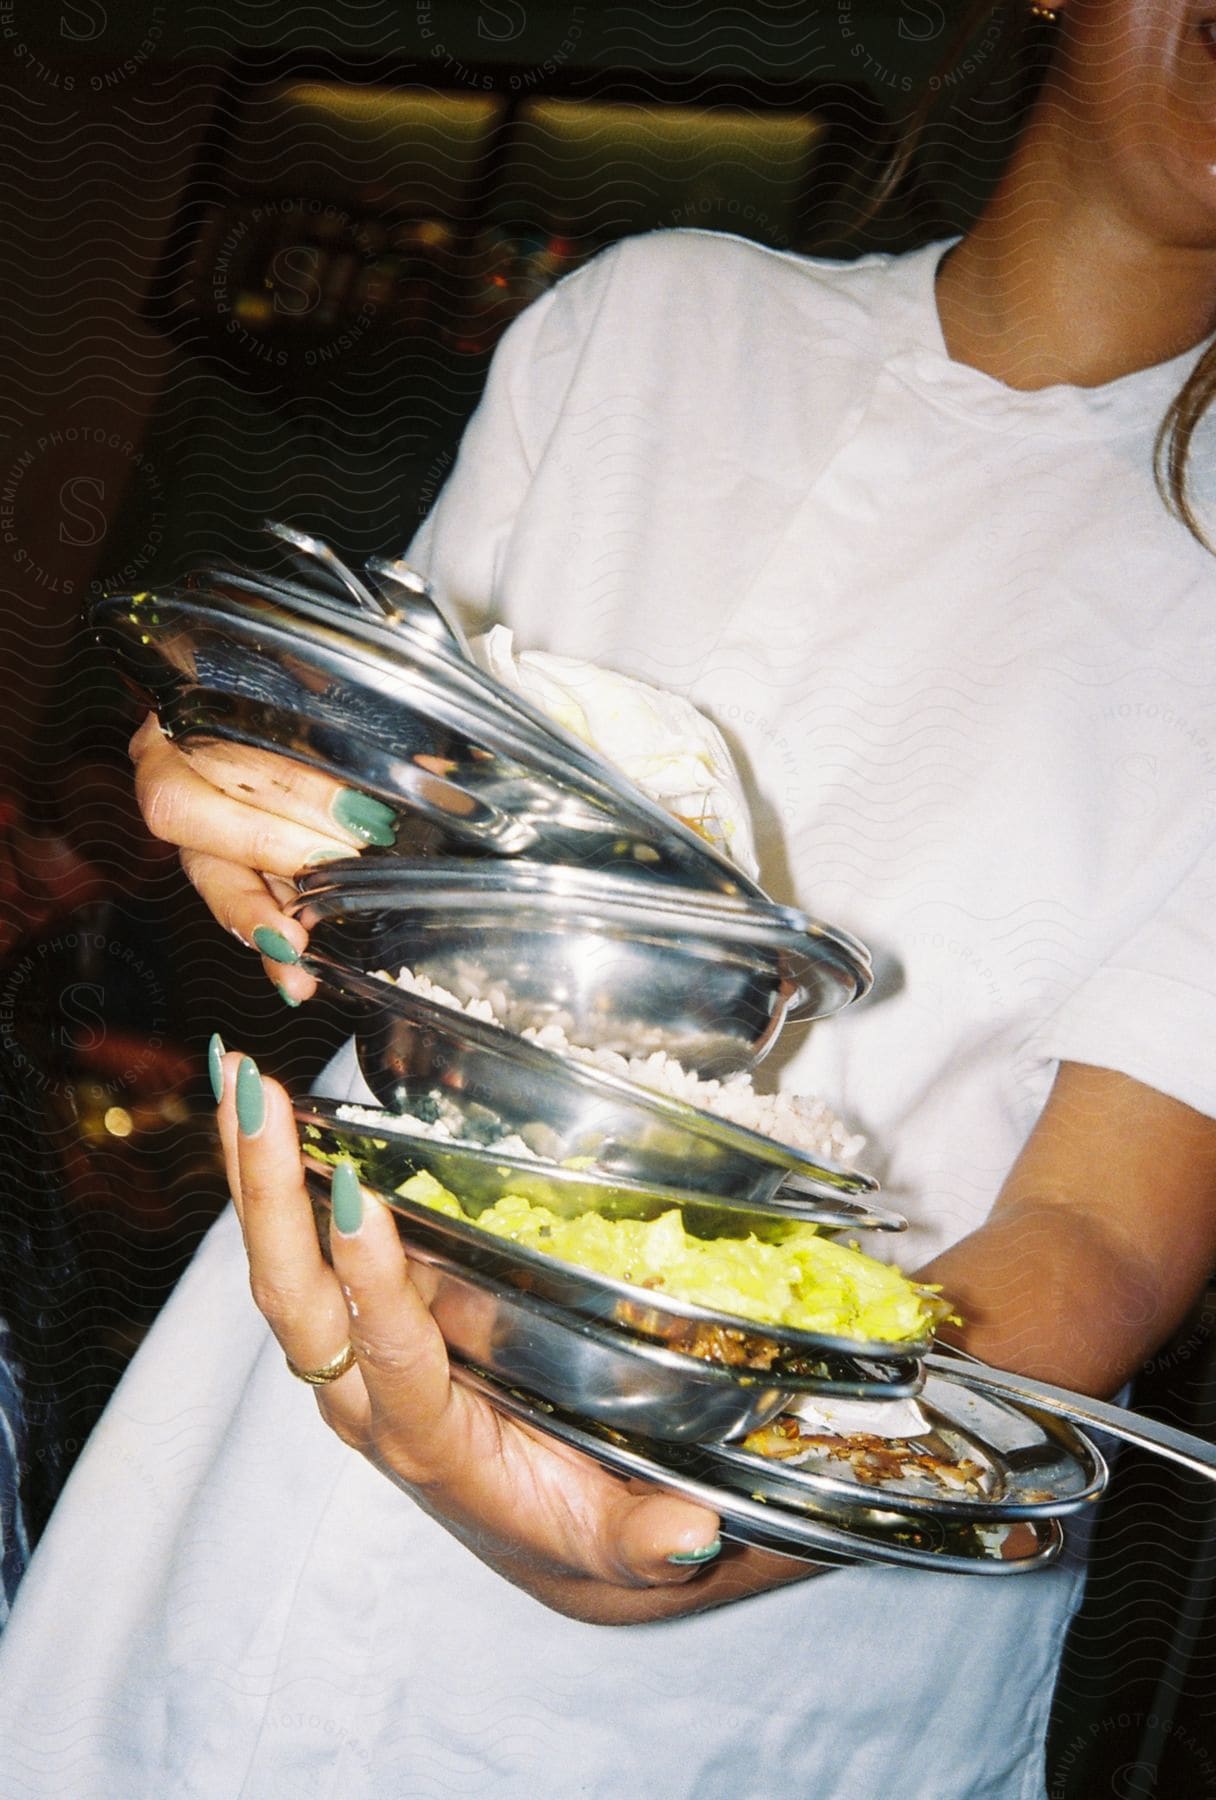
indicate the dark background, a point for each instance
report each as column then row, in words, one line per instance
column 257, row 267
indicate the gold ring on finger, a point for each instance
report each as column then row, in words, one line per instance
column 333, row 1370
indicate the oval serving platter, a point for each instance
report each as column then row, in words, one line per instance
column 646, row 1311
column 958, row 1547
column 993, row 1461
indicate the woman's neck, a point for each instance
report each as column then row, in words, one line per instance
column 1052, row 285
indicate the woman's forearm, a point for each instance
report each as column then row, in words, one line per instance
column 1045, row 1291
column 1100, row 1240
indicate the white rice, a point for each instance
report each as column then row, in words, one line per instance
column 449, row 1130
column 800, row 1121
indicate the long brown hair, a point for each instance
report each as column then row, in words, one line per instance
column 1172, row 452
column 1023, row 49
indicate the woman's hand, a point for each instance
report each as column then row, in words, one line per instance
column 580, row 1539
column 246, row 822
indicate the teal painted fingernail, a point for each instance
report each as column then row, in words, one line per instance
column 273, row 944
column 347, row 1199
column 215, row 1065
column 250, row 1100
column 369, row 819
column 706, row 1554
column 284, row 996
column 324, row 856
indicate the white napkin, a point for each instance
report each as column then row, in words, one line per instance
column 877, row 1418
column 659, row 740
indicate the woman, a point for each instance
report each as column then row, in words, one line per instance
column 895, row 525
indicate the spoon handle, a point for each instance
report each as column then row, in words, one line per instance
column 1193, row 1453
column 313, row 551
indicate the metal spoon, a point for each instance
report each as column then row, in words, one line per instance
column 1162, row 1440
column 315, row 550
column 415, row 603
column 799, row 1195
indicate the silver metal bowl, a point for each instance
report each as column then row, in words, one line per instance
column 866, row 1534
column 1027, row 1465
column 871, row 1370
column 385, row 711
column 590, row 1368
column 631, row 967
column 416, row 1057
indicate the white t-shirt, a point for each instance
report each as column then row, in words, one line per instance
column 965, row 655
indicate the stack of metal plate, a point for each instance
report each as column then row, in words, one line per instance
column 265, row 665
column 562, row 937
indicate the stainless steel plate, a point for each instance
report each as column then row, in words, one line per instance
column 566, row 1111
column 397, row 719
column 473, row 881
column 954, row 1547
column 410, row 631
column 1022, row 1464
column 591, row 1369
column 390, row 1148
column 875, row 1369
column 420, row 634
column 622, row 966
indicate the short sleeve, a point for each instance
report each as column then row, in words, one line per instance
column 459, row 547
column 1149, row 1011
